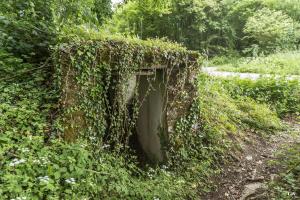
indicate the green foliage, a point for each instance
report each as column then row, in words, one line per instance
column 278, row 64
column 286, row 187
column 241, row 111
column 239, row 13
column 202, row 138
column 212, row 26
column 290, row 7
column 26, row 28
column 197, row 24
column 9, row 64
column 282, row 94
column 258, row 116
column 24, row 107
column 271, row 30
column 99, row 70
column 223, row 61
column 89, row 12
column 103, row 10
column 20, row 113
column 34, row 170
column 29, row 28
column 136, row 17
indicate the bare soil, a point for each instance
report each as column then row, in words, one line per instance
column 246, row 177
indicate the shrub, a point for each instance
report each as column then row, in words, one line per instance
column 258, row 116
column 281, row 94
column 27, row 28
column 271, row 30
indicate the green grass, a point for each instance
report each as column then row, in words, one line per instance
column 287, row 185
column 280, row 63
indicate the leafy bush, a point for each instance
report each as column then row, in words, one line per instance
column 10, row 65
column 290, row 7
column 243, row 111
column 25, row 98
column 258, row 116
column 27, row 28
column 271, row 30
column 281, row 94
column 31, row 169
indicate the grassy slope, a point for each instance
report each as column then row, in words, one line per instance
column 280, row 63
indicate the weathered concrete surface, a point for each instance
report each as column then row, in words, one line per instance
column 151, row 123
column 130, row 88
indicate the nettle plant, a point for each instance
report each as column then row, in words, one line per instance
column 93, row 77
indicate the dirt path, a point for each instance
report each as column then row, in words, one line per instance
column 245, row 178
column 213, row 71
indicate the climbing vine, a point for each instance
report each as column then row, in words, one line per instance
column 93, row 78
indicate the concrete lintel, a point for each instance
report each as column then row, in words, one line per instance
column 145, row 73
column 155, row 67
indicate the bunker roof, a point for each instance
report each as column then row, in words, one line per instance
column 147, row 54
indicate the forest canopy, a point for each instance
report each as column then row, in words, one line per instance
column 213, row 26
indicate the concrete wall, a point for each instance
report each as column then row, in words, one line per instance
column 152, row 118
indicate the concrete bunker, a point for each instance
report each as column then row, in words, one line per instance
column 153, row 84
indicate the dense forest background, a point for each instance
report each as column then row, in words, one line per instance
column 213, row 27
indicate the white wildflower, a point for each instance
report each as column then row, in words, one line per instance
column 16, row 162
column 21, row 198
column 21, row 13
column 195, row 126
column 24, row 150
column 105, row 146
column 44, row 160
column 164, row 167
column 44, row 179
column 93, row 138
column 36, row 161
column 71, row 181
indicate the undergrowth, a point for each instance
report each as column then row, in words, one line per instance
column 286, row 185
column 282, row 95
column 33, row 167
column 278, row 64
column 34, row 170
column 205, row 136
